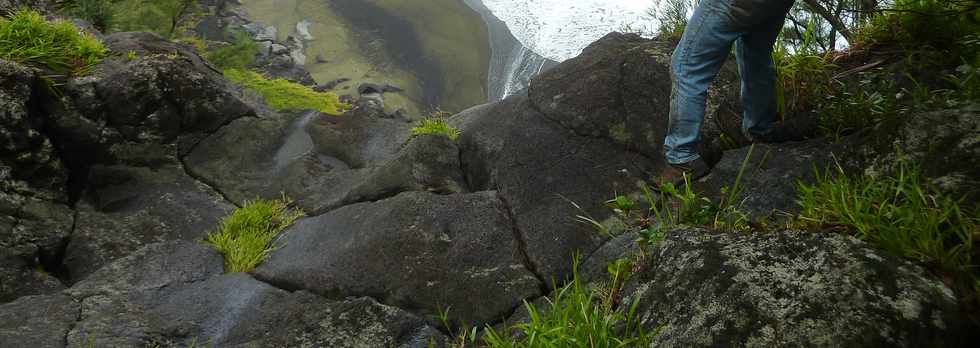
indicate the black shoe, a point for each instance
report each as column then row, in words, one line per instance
column 679, row 174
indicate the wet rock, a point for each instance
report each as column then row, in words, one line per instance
column 768, row 186
column 126, row 208
column 29, row 162
column 322, row 162
column 945, row 143
column 330, row 85
column 146, row 111
column 788, row 289
column 619, row 89
column 33, row 233
column 539, row 167
column 37, row 321
column 417, row 251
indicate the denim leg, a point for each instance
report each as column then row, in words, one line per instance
column 755, row 66
column 696, row 61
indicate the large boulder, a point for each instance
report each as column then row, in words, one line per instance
column 35, row 220
column 323, row 162
column 789, row 288
column 417, row 251
column 38, row 321
column 172, row 294
column 126, row 208
column 771, row 175
column 145, row 111
column 944, row 143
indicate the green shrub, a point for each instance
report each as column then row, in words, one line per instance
column 246, row 237
column 911, row 24
column 164, row 17
column 898, row 213
column 577, row 316
column 282, row 94
column 239, row 55
column 98, row 12
column 56, row 46
column 436, row 126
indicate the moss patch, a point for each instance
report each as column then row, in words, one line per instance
column 282, row 94
column 434, row 126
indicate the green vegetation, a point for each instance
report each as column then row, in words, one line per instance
column 97, row 12
column 579, row 316
column 239, row 55
column 55, row 46
column 282, row 94
column 436, row 126
column 246, row 237
column 900, row 214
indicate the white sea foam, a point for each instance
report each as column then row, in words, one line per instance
column 560, row 29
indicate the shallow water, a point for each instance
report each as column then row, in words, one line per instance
column 436, row 50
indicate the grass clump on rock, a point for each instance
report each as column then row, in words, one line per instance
column 246, row 237
column 58, row 46
column 436, row 126
column 579, row 315
column 282, row 94
column 900, row 214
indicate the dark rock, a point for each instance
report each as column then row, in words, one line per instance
column 145, row 111
column 388, row 88
column 789, row 289
column 9, row 6
column 33, row 233
column 29, row 162
column 323, row 163
column 330, row 85
column 320, row 59
column 619, row 89
column 37, row 321
column 944, row 143
column 369, row 88
column 126, row 208
column 190, row 302
column 418, row 251
column 769, row 183
column 538, row 166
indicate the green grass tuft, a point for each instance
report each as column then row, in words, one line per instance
column 282, row 94
column 246, row 237
column 57, row 46
column 436, row 126
column 239, row 55
column 580, row 316
column 897, row 213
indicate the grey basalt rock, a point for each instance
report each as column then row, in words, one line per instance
column 324, row 162
column 146, row 111
column 33, row 233
column 539, row 168
column 768, row 186
column 417, row 251
column 789, row 288
column 37, row 321
column 126, row 208
column 944, row 143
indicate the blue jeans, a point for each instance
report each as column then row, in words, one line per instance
column 703, row 49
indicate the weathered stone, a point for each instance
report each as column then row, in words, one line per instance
column 146, row 111
column 28, row 160
column 417, row 251
column 944, row 143
column 768, row 186
column 539, row 168
column 323, row 162
column 33, row 233
column 37, row 321
column 789, row 289
column 126, row 208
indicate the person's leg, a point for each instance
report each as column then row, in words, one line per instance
column 696, row 61
column 755, row 65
